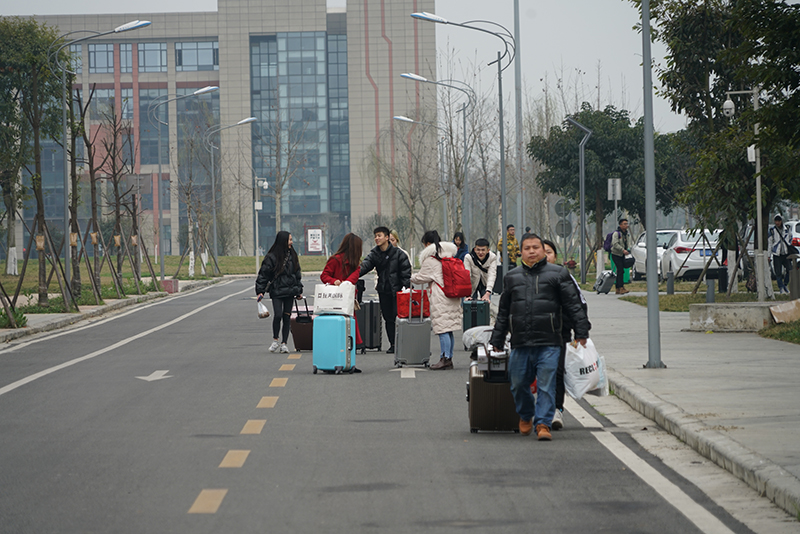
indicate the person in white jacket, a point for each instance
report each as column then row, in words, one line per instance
column 445, row 311
column 482, row 266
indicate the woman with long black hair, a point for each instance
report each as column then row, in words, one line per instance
column 280, row 276
column 461, row 242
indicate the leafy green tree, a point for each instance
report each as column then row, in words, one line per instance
column 27, row 73
column 615, row 150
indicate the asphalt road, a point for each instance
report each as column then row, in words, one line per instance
column 231, row 438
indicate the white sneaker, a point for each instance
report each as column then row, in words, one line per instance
column 274, row 347
column 284, row 349
column 558, row 421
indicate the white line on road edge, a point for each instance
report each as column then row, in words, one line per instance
column 702, row 518
column 118, row 344
column 108, row 319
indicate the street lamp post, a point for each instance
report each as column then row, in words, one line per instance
column 581, row 150
column 210, row 147
column 728, row 109
column 152, row 112
column 471, row 102
column 133, row 25
column 256, row 208
column 509, row 45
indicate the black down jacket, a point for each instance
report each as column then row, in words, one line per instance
column 531, row 305
column 286, row 281
column 392, row 266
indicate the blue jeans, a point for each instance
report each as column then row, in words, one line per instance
column 525, row 364
column 446, row 344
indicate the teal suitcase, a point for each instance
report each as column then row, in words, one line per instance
column 334, row 344
column 475, row 312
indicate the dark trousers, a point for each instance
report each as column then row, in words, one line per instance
column 389, row 311
column 781, row 265
column 282, row 310
column 480, row 290
column 560, row 378
column 619, row 262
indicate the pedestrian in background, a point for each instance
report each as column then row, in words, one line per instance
column 281, row 277
column 513, row 247
column 394, row 273
column 482, row 266
column 344, row 266
column 621, row 244
column 779, row 239
column 394, row 239
column 460, row 241
column 445, row 311
column 535, row 298
column 551, row 252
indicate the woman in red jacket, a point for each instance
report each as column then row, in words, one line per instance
column 344, row 266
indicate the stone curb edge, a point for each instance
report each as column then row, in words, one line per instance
column 66, row 321
column 764, row 476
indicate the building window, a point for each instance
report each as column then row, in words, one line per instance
column 148, row 133
column 126, row 57
column 126, row 96
column 101, row 58
column 152, row 57
column 197, row 56
column 76, row 64
column 102, row 104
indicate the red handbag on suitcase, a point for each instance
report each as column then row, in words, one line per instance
column 417, row 297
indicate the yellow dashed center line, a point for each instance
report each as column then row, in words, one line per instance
column 294, row 356
column 278, row 382
column 287, row 367
column 254, row 426
column 267, row 402
column 234, row 459
column 208, row 501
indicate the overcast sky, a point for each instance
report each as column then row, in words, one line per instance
column 562, row 38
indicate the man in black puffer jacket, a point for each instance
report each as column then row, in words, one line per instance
column 531, row 306
column 394, row 273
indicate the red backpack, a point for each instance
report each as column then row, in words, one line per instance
column 457, row 283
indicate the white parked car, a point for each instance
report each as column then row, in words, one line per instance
column 639, row 252
column 688, row 245
column 794, row 228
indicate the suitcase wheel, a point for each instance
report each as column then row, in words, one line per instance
column 315, row 369
column 363, row 351
column 475, row 430
column 398, row 363
column 467, row 391
column 352, row 370
column 337, row 370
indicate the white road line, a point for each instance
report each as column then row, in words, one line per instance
column 702, row 518
column 36, row 376
column 103, row 321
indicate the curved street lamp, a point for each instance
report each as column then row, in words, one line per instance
column 210, row 147
column 508, row 54
column 152, row 113
column 470, row 103
column 128, row 26
column 588, row 134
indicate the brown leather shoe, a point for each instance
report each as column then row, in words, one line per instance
column 543, row 433
column 525, row 427
column 622, row 291
column 441, row 364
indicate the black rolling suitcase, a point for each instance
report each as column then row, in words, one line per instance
column 369, row 326
column 302, row 327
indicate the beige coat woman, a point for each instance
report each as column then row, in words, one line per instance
column 445, row 311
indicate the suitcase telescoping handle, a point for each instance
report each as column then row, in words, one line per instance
column 498, row 374
column 421, row 303
column 307, row 314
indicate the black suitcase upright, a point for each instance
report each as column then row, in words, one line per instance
column 491, row 405
column 302, row 327
column 369, row 326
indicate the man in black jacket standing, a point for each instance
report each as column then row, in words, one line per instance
column 394, row 273
column 531, row 306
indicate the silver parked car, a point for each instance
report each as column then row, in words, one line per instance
column 688, row 252
column 639, row 252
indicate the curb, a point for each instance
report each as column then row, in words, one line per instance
column 132, row 300
column 764, row 476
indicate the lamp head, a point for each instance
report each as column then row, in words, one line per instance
column 206, row 89
column 728, row 107
column 401, row 118
column 246, row 121
column 415, row 77
column 430, row 17
column 132, row 25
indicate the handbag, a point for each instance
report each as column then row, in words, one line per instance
column 628, row 262
column 791, row 250
column 581, row 369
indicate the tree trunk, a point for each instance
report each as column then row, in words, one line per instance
column 74, row 228
column 37, row 189
column 278, row 200
column 10, row 201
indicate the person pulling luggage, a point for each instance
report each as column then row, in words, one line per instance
column 394, row 274
column 621, row 245
column 344, row 266
column 531, row 307
column 445, row 311
column 482, row 266
column 281, row 277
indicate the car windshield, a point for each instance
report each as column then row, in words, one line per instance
column 693, row 236
column 663, row 239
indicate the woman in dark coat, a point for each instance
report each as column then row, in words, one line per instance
column 344, row 266
column 461, row 242
column 280, row 276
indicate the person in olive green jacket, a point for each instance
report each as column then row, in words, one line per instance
column 621, row 244
column 513, row 247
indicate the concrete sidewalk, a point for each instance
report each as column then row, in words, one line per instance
column 46, row 322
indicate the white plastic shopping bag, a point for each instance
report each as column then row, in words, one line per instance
column 335, row 299
column 602, row 386
column 263, row 311
column 581, row 369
